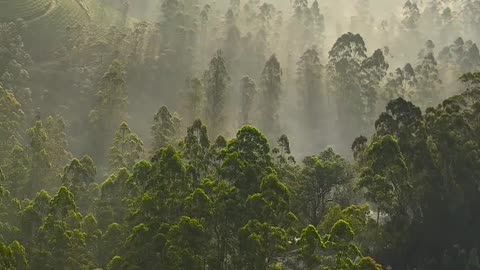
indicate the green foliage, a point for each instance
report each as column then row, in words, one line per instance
column 409, row 197
column 11, row 119
column 318, row 180
column 311, row 243
column 126, row 150
column 355, row 78
column 247, row 160
column 165, row 129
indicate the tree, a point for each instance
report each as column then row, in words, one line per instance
column 231, row 47
column 318, row 23
column 13, row 256
column 60, row 240
column 79, row 177
column 11, row 119
column 373, row 70
column 247, row 160
column 186, row 244
column 39, row 162
column 310, row 88
column 126, row 150
column 336, row 250
column 194, row 99
column 177, row 26
column 165, row 129
column 427, row 75
column 411, row 15
column 216, row 87
column 387, row 185
column 461, row 56
column 344, row 69
column 56, row 145
column 248, row 91
column 271, row 84
column 401, row 83
column 110, row 108
column 14, row 58
column 195, row 150
column 319, row 179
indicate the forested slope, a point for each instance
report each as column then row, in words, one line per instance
column 239, row 136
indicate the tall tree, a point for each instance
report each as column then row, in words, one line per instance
column 11, row 119
column 373, row 70
column 109, row 110
column 429, row 90
column 126, row 150
column 194, row 99
column 271, row 90
column 410, row 15
column 355, row 81
column 248, row 91
column 345, row 61
column 40, row 165
column 216, row 89
column 319, row 180
column 165, row 129
column 310, row 88
column 195, row 150
column 178, row 32
column 401, row 83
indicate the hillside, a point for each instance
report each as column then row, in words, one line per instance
column 48, row 20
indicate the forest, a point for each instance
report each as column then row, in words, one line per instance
column 239, row 135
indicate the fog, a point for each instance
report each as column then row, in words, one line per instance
column 378, row 22
column 239, row 134
column 162, row 46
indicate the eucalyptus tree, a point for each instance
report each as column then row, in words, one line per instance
column 271, row 91
column 217, row 81
column 126, row 150
column 12, row 122
column 248, row 92
column 109, row 110
column 429, row 87
column 311, row 89
column 355, row 79
column 165, row 129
